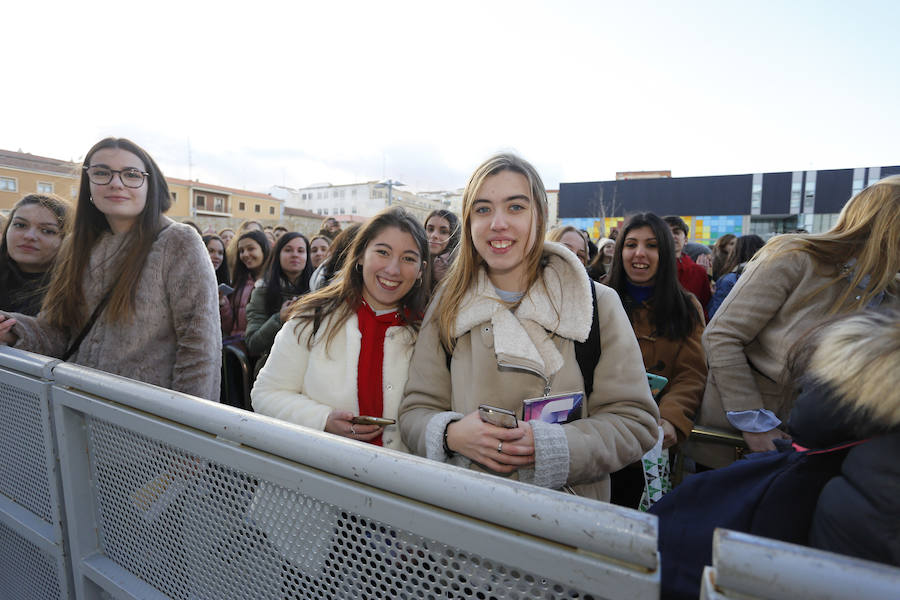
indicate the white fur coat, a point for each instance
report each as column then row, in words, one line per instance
column 303, row 386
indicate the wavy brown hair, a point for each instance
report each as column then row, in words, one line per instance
column 461, row 275
column 345, row 293
column 868, row 230
column 64, row 305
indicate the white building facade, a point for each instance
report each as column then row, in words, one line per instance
column 353, row 201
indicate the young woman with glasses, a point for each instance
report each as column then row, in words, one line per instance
column 503, row 328
column 132, row 292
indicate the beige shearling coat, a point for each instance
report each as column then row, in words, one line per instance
column 748, row 340
column 502, row 358
column 173, row 340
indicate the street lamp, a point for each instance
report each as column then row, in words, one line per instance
column 390, row 184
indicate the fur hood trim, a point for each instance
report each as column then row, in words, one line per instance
column 859, row 358
column 554, row 303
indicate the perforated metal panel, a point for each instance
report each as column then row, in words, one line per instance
column 25, row 571
column 196, row 529
column 23, row 453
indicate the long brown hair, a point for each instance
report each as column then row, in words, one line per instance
column 867, row 230
column 64, row 304
column 461, row 275
column 345, row 293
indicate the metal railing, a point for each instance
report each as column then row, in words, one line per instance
column 750, row 567
column 170, row 496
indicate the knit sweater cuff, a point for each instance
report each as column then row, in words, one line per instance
column 434, row 439
column 551, row 456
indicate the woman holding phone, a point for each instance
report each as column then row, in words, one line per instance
column 345, row 350
column 132, row 292
column 503, row 329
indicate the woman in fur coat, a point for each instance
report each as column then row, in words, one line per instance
column 502, row 329
column 132, row 292
column 345, row 350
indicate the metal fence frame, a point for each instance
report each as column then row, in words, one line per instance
column 749, row 567
column 603, row 550
column 41, row 529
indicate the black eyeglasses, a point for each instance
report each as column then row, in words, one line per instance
column 132, row 178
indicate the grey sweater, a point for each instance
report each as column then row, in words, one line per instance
column 173, row 340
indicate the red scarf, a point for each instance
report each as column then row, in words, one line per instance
column 370, row 368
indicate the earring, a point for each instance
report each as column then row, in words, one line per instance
column 418, row 282
column 358, row 268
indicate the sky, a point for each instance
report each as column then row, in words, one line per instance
column 256, row 94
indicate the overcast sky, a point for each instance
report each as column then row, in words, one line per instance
column 294, row 93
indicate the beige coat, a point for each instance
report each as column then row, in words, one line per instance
column 173, row 340
column 748, row 340
column 502, row 358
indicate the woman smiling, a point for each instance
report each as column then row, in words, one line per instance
column 668, row 324
column 28, row 248
column 504, row 328
column 345, row 350
column 132, row 292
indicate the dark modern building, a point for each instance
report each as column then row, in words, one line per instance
column 760, row 203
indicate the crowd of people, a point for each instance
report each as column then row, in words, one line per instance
column 435, row 338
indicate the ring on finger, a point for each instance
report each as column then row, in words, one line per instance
column 500, row 446
column 352, row 430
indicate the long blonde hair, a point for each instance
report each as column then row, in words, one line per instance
column 868, row 230
column 464, row 270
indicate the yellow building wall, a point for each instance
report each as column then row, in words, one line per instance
column 250, row 203
column 27, row 183
column 181, row 204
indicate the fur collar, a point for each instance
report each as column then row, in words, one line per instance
column 558, row 303
column 858, row 357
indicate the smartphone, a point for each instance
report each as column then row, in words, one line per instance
column 657, row 383
column 498, row 416
column 225, row 289
column 364, row 420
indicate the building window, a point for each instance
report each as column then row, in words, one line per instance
column 874, row 174
column 796, row 191
column 859, row 181
column 174, row 196
column 342, row 210
column 8, row 184
column 353, row 209
column 809, row 195
column 756, row 194
column 44, row 187
column 219, row 204
column 200, row 201
column 242, row 206
column 271, row 210
column 256, row 208
column 325, row 211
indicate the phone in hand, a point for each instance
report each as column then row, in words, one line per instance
column 366, row 420
column 498, row 416
column 225, row 289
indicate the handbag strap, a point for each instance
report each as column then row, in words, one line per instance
column 96, row 314
column 87, row 326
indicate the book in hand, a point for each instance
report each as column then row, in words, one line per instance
column 559, row 408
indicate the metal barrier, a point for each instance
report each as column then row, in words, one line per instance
column 33, row 555
column 170, row 496
column 750, row 567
